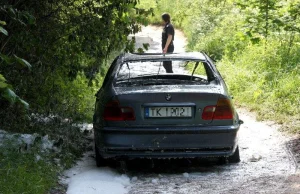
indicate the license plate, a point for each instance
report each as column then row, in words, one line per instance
column 158, row 112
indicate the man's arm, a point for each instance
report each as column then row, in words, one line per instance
column 169, row 40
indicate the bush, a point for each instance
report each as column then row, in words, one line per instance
column 265, row 79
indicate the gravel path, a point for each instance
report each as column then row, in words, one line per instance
column 265, row 167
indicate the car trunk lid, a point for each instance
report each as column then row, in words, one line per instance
column 167, row 105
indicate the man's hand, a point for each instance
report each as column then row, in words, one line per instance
column 165, row 50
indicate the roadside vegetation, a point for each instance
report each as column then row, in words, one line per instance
column 256, row 45
column 53, row 56
column 31, row 163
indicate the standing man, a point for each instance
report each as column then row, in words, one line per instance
column 167, row 40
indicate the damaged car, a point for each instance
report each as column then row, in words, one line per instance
column 143, row 112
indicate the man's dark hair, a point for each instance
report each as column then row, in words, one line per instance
column 166, row 17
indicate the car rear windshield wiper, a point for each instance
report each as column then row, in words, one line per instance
column 136, row 82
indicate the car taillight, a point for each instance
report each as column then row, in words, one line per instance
column 113, row 112
column 223, row 110
column 208, row 112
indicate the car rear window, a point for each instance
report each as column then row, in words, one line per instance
column 153, row 73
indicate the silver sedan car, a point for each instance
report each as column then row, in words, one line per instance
column 143, row 112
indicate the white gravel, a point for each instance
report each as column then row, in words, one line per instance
column 86, row 178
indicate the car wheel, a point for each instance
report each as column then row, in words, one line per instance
column 100, row 161
column 235, row 158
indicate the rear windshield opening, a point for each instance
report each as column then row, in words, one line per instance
column 154, row 73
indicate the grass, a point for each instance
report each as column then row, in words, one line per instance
column 257, row 81
column 32, row 170
column 21, row 173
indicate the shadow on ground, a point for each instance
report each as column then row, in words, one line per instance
column 170, row 166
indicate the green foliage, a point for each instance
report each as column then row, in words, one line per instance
column 5, row 89
column 261, row 17
column 291, row 20
column 68, row 44
column 3, row 31
column 256, row 45
column 266, row 81
column 54, row 55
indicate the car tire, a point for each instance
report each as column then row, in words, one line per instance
column 100, row 161
column 222, row 160
column 235, row 157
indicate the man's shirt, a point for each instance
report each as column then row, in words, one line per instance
column 168, row 30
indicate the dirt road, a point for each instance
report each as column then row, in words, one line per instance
column 265, row 164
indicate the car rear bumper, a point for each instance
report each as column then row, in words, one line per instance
column 167, row 142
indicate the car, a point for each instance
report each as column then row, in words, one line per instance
column 143, row 112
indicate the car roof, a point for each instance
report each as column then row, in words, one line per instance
column 195, row 56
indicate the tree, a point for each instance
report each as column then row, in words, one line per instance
column 261, row 17
column 68, row 44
